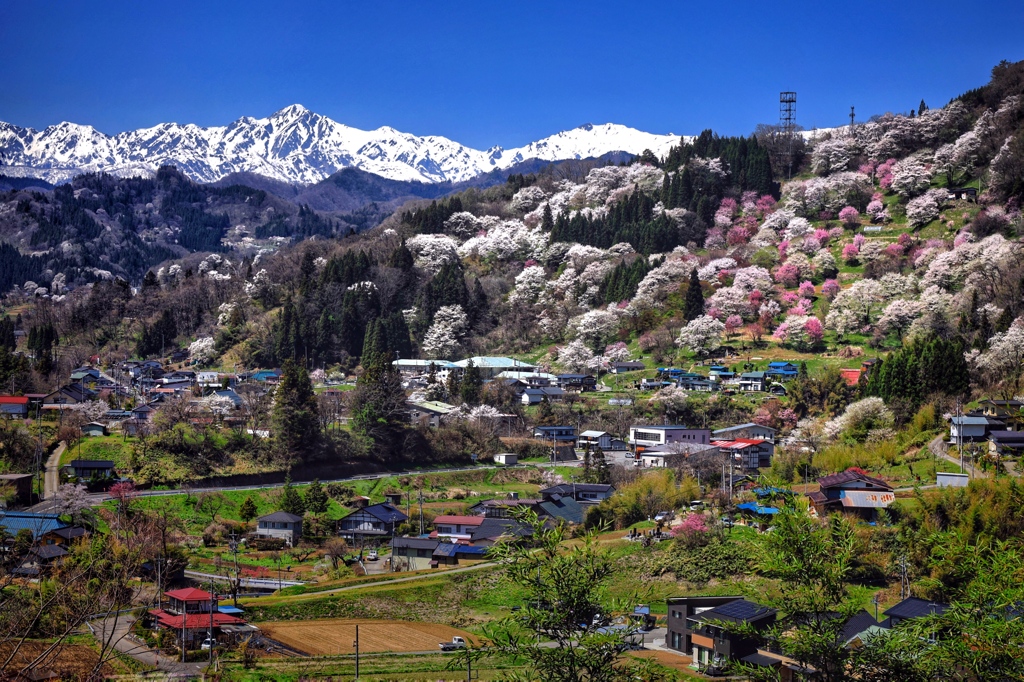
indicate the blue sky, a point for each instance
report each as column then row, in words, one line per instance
column 486, row 73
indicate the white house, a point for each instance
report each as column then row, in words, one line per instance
column 973, row 428
column 643, row 437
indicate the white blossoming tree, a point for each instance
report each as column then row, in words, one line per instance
column 575, row 356
column 449, row 326
column 702, row 335
column 202, row 350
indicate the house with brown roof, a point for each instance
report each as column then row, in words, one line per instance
column 852, row 492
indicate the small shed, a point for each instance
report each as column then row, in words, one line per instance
column 94, row 429
column 506, row 459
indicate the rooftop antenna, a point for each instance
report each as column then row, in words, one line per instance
column 787, row 124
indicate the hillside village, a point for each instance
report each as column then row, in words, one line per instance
column 778, row 419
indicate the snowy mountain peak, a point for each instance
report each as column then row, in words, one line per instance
column 294, row 145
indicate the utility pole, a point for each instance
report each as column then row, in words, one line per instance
column 356, row 645
column 213, row 601
column 421, row 511
column 234, row 551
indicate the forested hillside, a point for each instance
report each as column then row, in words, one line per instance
column 898, row 238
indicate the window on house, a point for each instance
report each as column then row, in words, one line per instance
column 647, row 435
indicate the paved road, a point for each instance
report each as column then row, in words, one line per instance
column 51, row 481
column 115, row 632
column 938, row 448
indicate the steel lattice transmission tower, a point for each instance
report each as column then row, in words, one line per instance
column 787, row 125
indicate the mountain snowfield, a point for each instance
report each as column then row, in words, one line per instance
column 293, row 145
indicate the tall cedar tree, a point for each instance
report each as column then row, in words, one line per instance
column 291, row 500
column 379, row 399
column 296, row 427
column 472, row 383
column 694, row 298
column 247, row 512
column 316, row 498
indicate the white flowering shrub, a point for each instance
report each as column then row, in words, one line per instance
column 709, row 272
column 575, row 356
column 910, row 177
column 655, row 283
column 527, row 199
column 595, row 325
column 830, row 156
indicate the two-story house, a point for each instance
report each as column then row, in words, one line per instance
column 282, row 525
column 373, row 523
column 749, row 453
column 559, row 435
column 191, row 616
column 749, row 430
column 454, row 527
column 644, row 437
column 695, row 628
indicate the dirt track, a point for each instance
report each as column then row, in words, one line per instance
column 335, row 636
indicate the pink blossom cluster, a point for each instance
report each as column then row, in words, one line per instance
column 787, row 275
column 830, row 288
column 884, row 173
column 807, row 289
column 849, row 215
column 789, row 298
column 850, row 252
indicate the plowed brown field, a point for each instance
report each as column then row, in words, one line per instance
column 335, row 636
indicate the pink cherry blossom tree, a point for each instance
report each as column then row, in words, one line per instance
column 850, row 216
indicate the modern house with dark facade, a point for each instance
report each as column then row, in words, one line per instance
column 694, row 629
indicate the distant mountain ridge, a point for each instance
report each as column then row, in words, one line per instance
column 294, row 146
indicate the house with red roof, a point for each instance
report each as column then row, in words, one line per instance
column 192, row 615
column 750, row 453
column 14, row 406
column 852, row 376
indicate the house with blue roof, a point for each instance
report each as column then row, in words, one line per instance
column 782, row 370
column 265, row 375
column 38, row 524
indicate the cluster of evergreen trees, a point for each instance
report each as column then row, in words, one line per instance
column 41, row 340
column 158, row 337
column 338, row 315
column 430, row 220
column 631, row 220
column 919, row 370
column 622, row 282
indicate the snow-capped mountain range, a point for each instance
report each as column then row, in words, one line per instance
column 293, row 145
